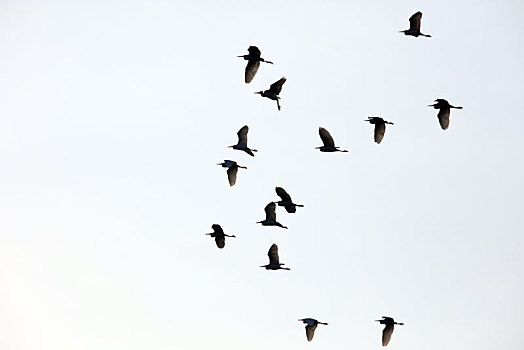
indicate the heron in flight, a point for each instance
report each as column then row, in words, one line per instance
column 271, row 216
column 380, row 127
column 232, row 170
column 388, row 330
column 444, row 110
column 219, row 235
column 253, row 63
column 273, row 91
column 286, row 201
column 274, row 263
column 242, row 141
column 327, row 140
column 414, row 26
column 311, row 325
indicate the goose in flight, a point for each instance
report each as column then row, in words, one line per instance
column 274, row 262
column 414, row 26
column 253, row 62
column 327, row 140
column 242, row 141
column 444, row 110
column 388, row 330
column 380, row 127
column 271, row 216
column 232, row 170
column 273, row 91
column 311, row 325
column 286, row 201
column 219, row 235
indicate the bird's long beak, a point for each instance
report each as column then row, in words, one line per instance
column 433, row 105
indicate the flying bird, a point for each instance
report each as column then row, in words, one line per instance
column 232, row 170
column 271, row 216
column 329, row 144
column 274, row 263
column 253, row 63
column 380, row 127
column 388, row 330
column 414, row 26
column 274, row 91
column 242, row 141
column 219, row 235
column 311, row 325
column 444, row 110
column 286, row 201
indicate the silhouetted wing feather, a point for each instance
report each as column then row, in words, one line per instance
column 386, row 334
column 327, row 140
column 232, row 175
column 254, row 51
column 270, row 211
column 276, row 87
column 217, row 229
column 414, row 21
column 242, row 135
column 220, row 241
column 443, row 117
column 273, row 255
column 283, row 194
column 251, row 70
column 291, row 208
column 310, row 331
column 380, row 131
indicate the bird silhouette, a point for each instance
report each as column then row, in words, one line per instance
column 242, row 141
column 414, row 26
column 271, row 216
column 311, row 325
column 380, row 127
column 327, row 140
column 274, row 263
column 286, row 201
column 444, row 110
column 273, row 91
column 232, row 170
column 253, row 63
column 388, row 330
column 219, row 235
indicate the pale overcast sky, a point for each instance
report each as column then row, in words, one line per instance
column 113, row 115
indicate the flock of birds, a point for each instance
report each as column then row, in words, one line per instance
column 254, row 58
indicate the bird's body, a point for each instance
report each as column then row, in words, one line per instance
column 286, row 201
column 274, row 261
column 219, row 235
column 253, row 63
column 388, row 330
column 444, row 111
column 271, row 216
column 380, row 127
column 414, row 26
column 242, row 141
column 311, row 325
column 232, row 170
column 327, row 140
column 273, row 91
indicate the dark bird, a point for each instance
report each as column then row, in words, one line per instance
column 271, row 216
column 443, row 114
column 242, row 141
column 253, row 63
column 388, row 330
column 311, row 325
column 219, row 235
column 380, row 127
column 232, row 170
column 274, row 91
column 329, row 144
column 286, row 200
column 414, row 26
column 274, row 263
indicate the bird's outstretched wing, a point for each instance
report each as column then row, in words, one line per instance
column 232, row 175
column 414, row 21
column 251, row 70
column 283, row 194
column 254, row 51
column 242, row 135
column 443, row 117
column 327, row 140
column 217, row 229
column 380, row 131
column 220, row 241
column 386, row 334
column 276, row 87
column 270, row 211
column 273, row 255
column 310, row 331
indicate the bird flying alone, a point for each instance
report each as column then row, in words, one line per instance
column 414, row 26
column 388, row 330
column 232, row 170
column 253, row 63
column 444, row 110
column 219, row 235
column 242, row 141
column 311, row 325
column 285, row 200
column 380, row 127
column 273, row 91
column 274, row 262
column 271, row 216
column 327, row 140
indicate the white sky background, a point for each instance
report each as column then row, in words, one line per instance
column 114, row 114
